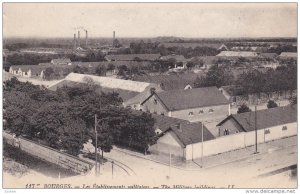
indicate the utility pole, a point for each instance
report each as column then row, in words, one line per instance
column 170, row 160
column 201, row 144
column 96, row 145
column 255, row 124
column 112, row 169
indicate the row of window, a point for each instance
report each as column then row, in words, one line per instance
column 284, row 128
column 267, row 131
column 201, row 112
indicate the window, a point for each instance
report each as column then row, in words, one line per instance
column 25, row 73
column 284, row 128
column 267, row 131
column 191, row 113
column 201, row 111
column 162, row 113
column 211, row 110
column 226, row 131
column 155, row 101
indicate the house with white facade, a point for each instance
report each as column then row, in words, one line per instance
column 273, row 123
column 196, row 104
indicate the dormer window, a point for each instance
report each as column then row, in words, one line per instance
column 201, row 112
column 191, row 113
column 211, row 110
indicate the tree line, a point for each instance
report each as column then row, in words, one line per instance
column 65, row 119
column 283, row 78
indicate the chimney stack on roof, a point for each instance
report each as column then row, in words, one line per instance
column 178, row 126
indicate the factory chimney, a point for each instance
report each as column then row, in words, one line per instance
column 78, row 38
column 86, row 38
column 75, row 41
column 114, row 36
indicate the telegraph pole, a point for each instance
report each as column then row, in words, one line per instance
column 255, row 124
column 201, row 144
column 96, row 134
column 112, row 169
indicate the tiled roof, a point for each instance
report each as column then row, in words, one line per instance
column 265, row 118
column 192, row 98
column 268, row 55
column 62, row 60
column 132, row 57
column 35, row 69
column 237, row 54
column 288, row 54
column 192, row 45
column 187, row 133
column 179, row 58
column 169, row 82
column 109, row 82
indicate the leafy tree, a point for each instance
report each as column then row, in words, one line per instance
column 293, row 100
column 100, row 70
column 243, row 108
column 215, row 77
column 104, row 138
column 48, row 73
column 117, row 43
column 111, row 67
column 72, row 136
column 78, row 69
column 272, row 104
column 122, row 69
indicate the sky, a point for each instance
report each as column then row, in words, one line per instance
column 191, row 20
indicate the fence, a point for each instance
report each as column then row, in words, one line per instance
column 48, row 154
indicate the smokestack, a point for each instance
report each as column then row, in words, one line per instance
column 78, row 38
column 75, row 41
column 86, row 38
column 114, row 36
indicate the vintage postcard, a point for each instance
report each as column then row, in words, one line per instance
column 150, row 95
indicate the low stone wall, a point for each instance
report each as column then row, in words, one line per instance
column 48, row 154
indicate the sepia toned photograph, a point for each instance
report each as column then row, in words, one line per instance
column 150, row 96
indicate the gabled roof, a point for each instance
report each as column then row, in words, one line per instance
column 35, row 69
column 192, row 44
column 288, row 55
column 62, row 60
column 191, row 98
column 186, row 132
column 237, row 54
column 265, row 118
column 268, row 55
column 132, row 57
column 178, row 58
column 170, row 82
column 109, row 82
